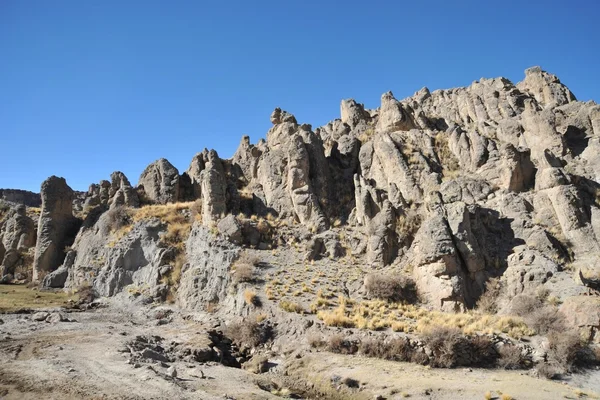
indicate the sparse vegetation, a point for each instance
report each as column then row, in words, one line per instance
column 488, row 301
column 119, row 217
column 290, row 306
column 448, row 161
column 244, row 268
column 391, row 288
column 252, row 298
column 249, row 333
column 19, row 297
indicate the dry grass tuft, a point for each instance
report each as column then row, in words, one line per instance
column 244, row 268
column 290, row 306
column 449, row 162
column 252, row 298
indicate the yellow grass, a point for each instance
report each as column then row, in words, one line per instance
column 17, row 297
column 250, row 297
column 376, row 315
column 291, row 307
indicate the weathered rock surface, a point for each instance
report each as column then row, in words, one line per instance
column 56, row 227
column 19, row 196
column 206, row 278
column 160, row 182
column 453, row 187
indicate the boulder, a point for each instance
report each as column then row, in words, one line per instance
column 392, row 115
column 160, row 182
column 231, row 228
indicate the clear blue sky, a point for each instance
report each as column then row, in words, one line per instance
column 88, row 87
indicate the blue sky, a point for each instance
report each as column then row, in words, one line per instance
column 89, row 87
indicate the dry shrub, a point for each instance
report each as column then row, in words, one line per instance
column 249, row 333
column 397, row 349
column 391, row 288
column 252, row 298
column 523, row 305
column 118, row 217
column 511, row 357
column 86, row 293
column 407, row 225
column 567, row 349
column 488, row 301
column 244, row 268
column 451, row 348
column 543, row 318
column 548, row 371
column 546, row 319
column 341, row 345
column 316, row 341
column 448, row 160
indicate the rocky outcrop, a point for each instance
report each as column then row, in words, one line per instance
column 109, row 264
column 545, row 88
column 206, row 278
column 453, row 187
column 159, row 182
column 116, row 192
column 56, row 227
column 213, row 188
column 23, row 197
column 17, row 236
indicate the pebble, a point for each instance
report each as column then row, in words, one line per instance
column 172, row 372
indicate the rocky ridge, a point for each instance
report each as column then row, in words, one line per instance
column 452, row 189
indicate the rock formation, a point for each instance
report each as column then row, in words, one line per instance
column 451, row 187
column 160, row 182
column 56, row 226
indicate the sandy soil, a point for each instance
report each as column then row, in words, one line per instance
column 82, row 359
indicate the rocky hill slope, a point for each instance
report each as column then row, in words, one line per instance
column 483, row 197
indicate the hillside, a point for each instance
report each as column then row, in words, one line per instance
column 454, row 228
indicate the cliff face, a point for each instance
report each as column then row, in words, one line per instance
column 452, row 188
column 24, row 197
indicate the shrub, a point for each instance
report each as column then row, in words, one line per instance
column 391, row 288
column 487, row 302
column 523, row 305
column 444, row 343
column 249, row 333
column 118, row 217
column 566, row 349
column 341, row 345
column 510, row 357
column 244, row 268
column 252, row 298
column 546, row 319
column 316, row 341
column 450, row 349
column 290, row 306
column 547, row 371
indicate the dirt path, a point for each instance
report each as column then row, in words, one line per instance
column 84, row 359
